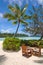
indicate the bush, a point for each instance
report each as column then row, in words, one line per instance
column 32, row 43
column 15, row 43
column 11, row 44
column 24, row 42
column 35, row 44
column 41, row 43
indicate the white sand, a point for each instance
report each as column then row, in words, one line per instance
column 16, row 58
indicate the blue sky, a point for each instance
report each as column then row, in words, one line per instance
column 5, row 25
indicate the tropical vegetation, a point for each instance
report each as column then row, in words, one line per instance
column 12, row 44
column 17, row 15
column 36, row 26
column 3, row 35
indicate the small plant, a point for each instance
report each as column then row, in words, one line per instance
column 25, row 42
column 41, row 43
column 32, row 43
column 35, row 44
column 11, row 44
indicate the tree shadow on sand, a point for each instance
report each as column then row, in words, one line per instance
column 2, row 59
column 40, row 60
column 41, row 56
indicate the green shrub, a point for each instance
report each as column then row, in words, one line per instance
column 15, row 43
column 32, row 43
column 35, row 44
column 41, row 43
column 24, row 42
column 11, row 44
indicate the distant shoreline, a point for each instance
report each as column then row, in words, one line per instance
column 24, row 38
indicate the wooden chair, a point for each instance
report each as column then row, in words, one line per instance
column 37, row 51
column 25, row 51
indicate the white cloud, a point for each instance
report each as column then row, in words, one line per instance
column 27, row 1
column 1, row 15
column 16, row 1
column 6, row 30
column 40, row 1
column 20, row 2
column 36, row 2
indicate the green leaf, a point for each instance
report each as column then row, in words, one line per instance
column 27, row 17
column 34, row 9
column 15, row 22
column 9, row 16
column 23, row 22
column 23, row 10
column 13, row 9
column 17, row 7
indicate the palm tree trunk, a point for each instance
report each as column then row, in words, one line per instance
column 17, row 29
column 41, row 38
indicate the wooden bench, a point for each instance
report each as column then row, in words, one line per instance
column 25, row 51
column 37, row 51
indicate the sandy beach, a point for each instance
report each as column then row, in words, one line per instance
column 16, row 58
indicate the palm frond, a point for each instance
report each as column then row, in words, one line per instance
column 9, row 16
column 15, row 22
column 17, row 7
column 13, row 9
column 23, row 22
column 18, row 11
column 23, row 10
column 34, row 9
column 27, row 17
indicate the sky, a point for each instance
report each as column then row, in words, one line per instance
column 5, row 25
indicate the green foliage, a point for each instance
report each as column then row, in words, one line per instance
column 3, row 35
column 41, row 43
column 11, row 44
column 32, row 43
column 36, row 26
column 15, row 43
column 24, row 42
column 17, row 15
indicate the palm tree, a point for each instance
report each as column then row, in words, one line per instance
column 36, row 26
column 17, row 15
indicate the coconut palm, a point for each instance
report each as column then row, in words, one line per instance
column 17, row 15
column 36, row 26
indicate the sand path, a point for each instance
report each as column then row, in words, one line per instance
column 16, row 58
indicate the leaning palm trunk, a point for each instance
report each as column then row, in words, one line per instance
column 41, row 38
column 17, row 15
column 17, row 29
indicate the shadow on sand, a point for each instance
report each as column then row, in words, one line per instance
column 2, row 59
column 40, row 60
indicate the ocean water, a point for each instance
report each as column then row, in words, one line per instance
column 29, row 38
column 24, row 38
column 1, row 39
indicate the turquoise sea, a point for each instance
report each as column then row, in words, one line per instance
column 1, row 39
column 24, row 38
column 29, row 38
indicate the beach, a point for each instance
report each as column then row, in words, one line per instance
column 16, row 58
